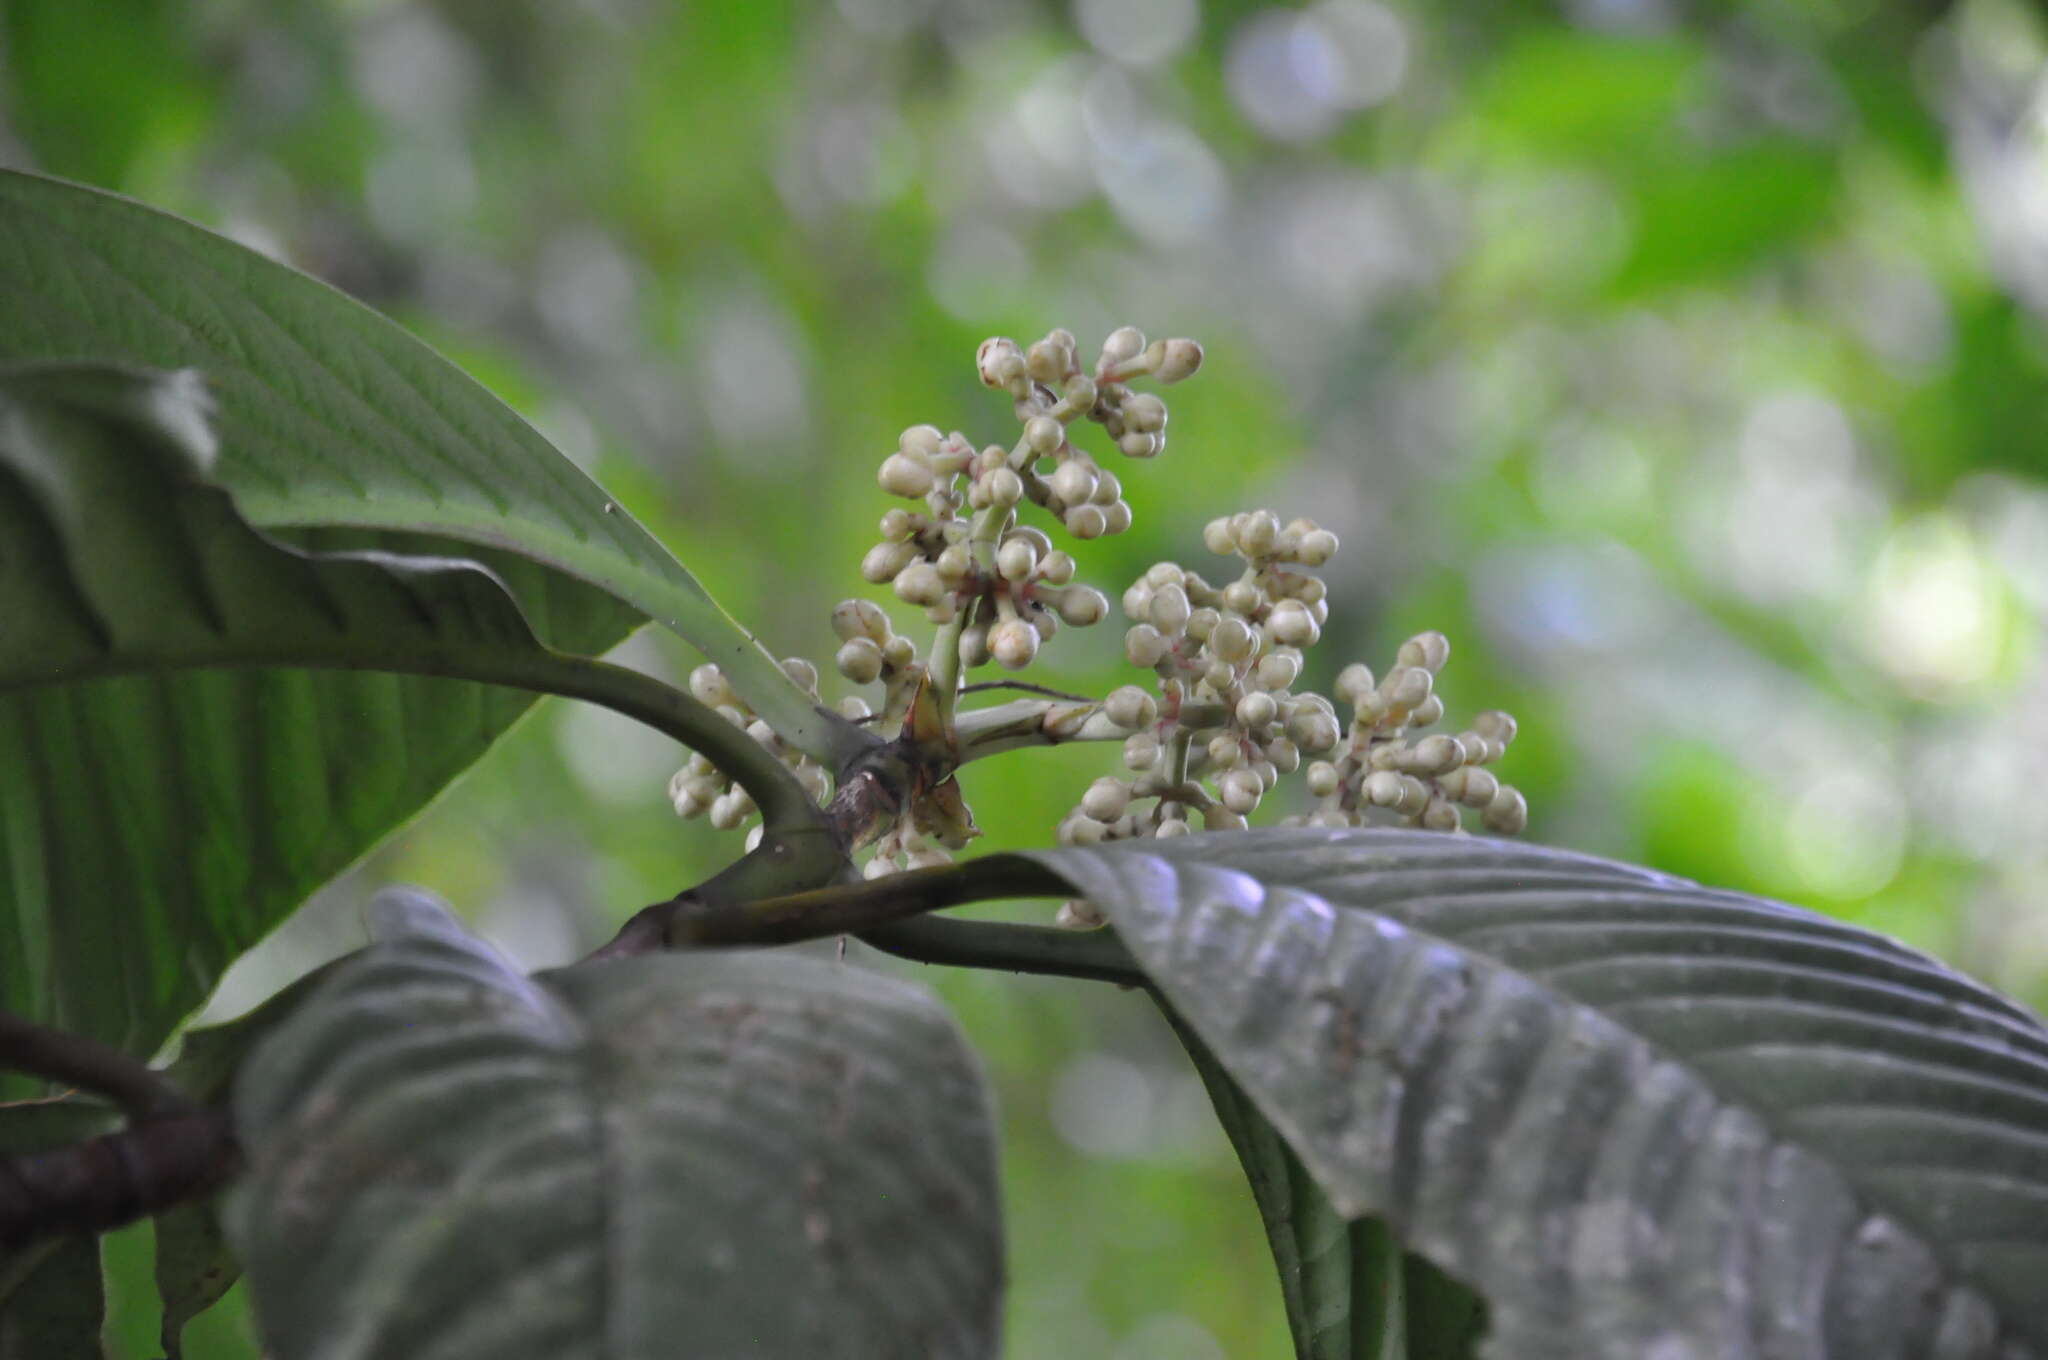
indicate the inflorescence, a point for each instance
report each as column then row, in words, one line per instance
column 1223, row 721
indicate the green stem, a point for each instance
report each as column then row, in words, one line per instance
column 1094, row 954
column 1035, row 722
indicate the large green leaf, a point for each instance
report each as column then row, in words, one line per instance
column 1350, row 1292
column 1640, row 1116
column 155, row 821
column 331, row 416
column 753, row 1155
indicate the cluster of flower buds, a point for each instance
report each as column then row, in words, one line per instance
column 699, row 788
column 1015, row 587
column 1385, row 765
column 1227, row 658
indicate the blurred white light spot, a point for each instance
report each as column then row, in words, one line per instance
column 1286, row 75
column 1164, row 182
column 1932, row 620
column 584, row 288
column 615, row 758
column 1102, row 1106
column 1169, row 1336
column 1846, row 835
column 1294, row 73
column 883, row 18
column 1342, row 242
column 863, row 154
column 978, row 270
column 414, row 69
column 751, row 379
column 1801, row 520
column 1372, row 45
column 419, row 191
column 1137, row 32
column 1039, row 151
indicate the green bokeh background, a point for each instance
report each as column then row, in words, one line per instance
column 1684, row 362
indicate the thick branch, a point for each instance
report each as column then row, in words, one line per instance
column 75, row 1060
column 115, row 1179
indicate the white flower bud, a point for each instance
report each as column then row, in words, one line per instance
column 1383, row 788
column 898, row 651
column 1219, row 537
column 954, row 565
column 1013, row 643
column 1172, row 827
column 1017, row 559
column 1435, row 755
column 1087, row 521
column 942, row 609
column 920, row 583
column 733, row 714
column 1201, row 623
column 1079, row 605
column 974, row 645
column 1218, row 675
column 999, row 362
column 1078, row 915
column 1106, row 799
column 920, row 441
column 1323, row 779
column 1241, row 790
column 1507, row 811
column 1440, row 814
column 1144, row 645
column 1005, row 488
column 1317, row 547
column 1221, row 818
column 859, row 618
column 853, row 708
column 728, row 811
column 1173, row 360
column 762, row 733
column 1232, row 640
column 1124, row 344
column 1224, row 752
column 1256, row 532
column 1428, row 650
column 859, row 660
column 1169, row 610
column 904, row 476
column 1495, row 725
column 881, row 866
column 1056, row 568
column 1137, row 600
column 1290, row 623
column 885, row 560
column 1406, row 688
column 1277, row 669
column 898, row 524
column 1474, row 786
column 816, row 783
column 803, row 673
column 1353, row 683
column 1284, row 755
column 1130, row 707
column 1242, row 597
column 1073, row 481
column 1145, row 414
column 1116, row 517
column 1141, row 751
column 1428, row 712
column 1313, row 730
column 1256, row 709
column 1140, row 444
column 709, row 685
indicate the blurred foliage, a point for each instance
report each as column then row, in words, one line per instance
column 1683, row 361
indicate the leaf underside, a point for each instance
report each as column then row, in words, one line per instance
column 155, row 820
column 1639, row 1116
column 332, row 416
column 752, row 1155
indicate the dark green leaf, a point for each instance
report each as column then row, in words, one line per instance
column 332, row 416
column 1351, row 1293
column 194, row 1267
column 155, row 823
column 52, row 1301
column 1641, row 1116
column 666, row 1155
